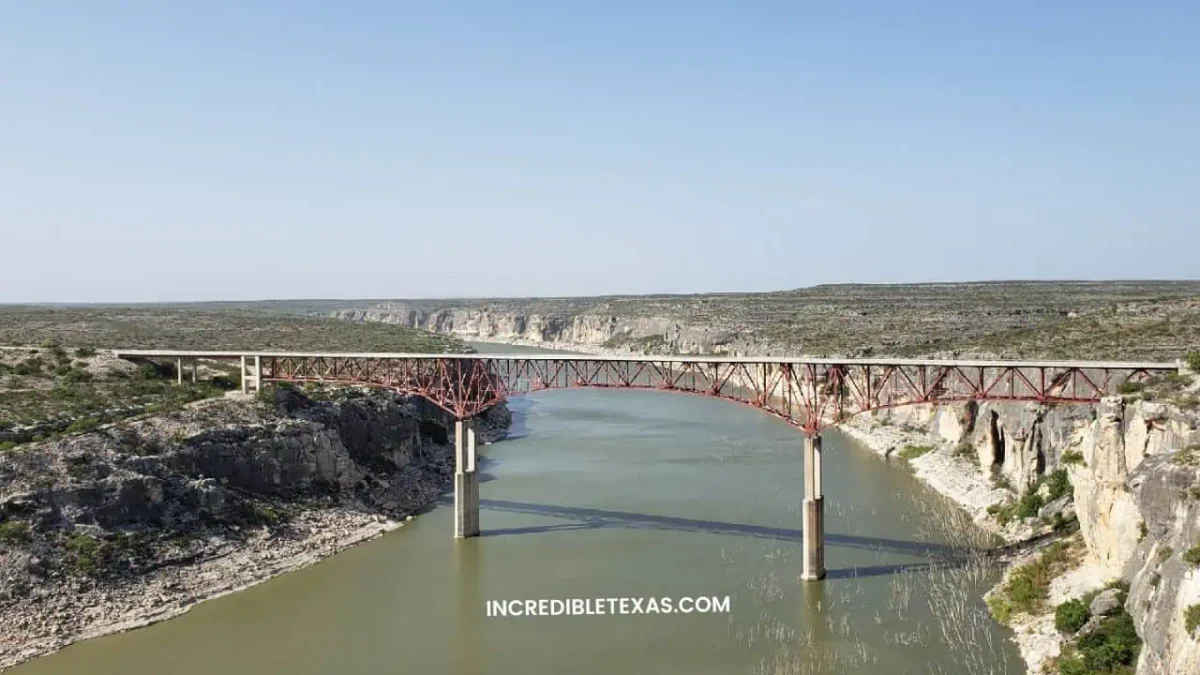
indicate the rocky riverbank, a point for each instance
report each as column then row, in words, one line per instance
column 137, row 522
column 1133, row 471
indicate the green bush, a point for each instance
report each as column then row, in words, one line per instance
column 1000, row 608
column 1128, row 388
column 1193, row 361
column 29, row 366
column 85, row 352
column 84, row 553
column 914, row 451
column 14, row 531
column 1031, row 502
column 1191, row 618
column 1070, row 616
column 7, row 445
column 1029, row 584
column 1059, row 484
column 1115, row 643
column 85, row 424
column 1192, row 555
column 76, row 375
column 226, row 382
column 1072, row 457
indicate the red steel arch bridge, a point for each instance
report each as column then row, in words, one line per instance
column 812, row 394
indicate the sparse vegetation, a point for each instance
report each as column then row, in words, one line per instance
column 1111, row 649
column 911, row 452
column 14, row 532
column 1072, row 457
column 1070, row 616
column 1193, row 361
column 1029, row 585
column 1130, row 388
column 1030, row 503
column 1191, row 619
column 1192, row 555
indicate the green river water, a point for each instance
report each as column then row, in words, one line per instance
column 602, row 494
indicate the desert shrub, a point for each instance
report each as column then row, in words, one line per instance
column 94, row 557
column 155, row 371
column 85, row 352
column 84, row 553
column 1070, row 616
column 14, row 531
column 30, row 366
column 1029, row 584
column 1072, row 457
column 1058, row 483
column 226, row 381
column 1000, row 607
column 1030, row 503
column 1114, row 644
column 1129, row 388
column 914, row 451
column 1192, row 555
column 1193, row 361
column 1191, row 618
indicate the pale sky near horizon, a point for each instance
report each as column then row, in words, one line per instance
column 230, row 151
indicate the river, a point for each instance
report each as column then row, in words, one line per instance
column 602, row 494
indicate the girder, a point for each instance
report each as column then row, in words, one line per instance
column 812, row 394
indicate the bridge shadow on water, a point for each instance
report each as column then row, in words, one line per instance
column 935, row 556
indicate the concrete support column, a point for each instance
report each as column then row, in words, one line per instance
column 814, row 512
column 257, row 373
column 195, row 368
column 242, row 377
column 466, row 481
column 179, row 371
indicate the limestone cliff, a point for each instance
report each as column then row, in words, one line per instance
column 1135, row 470
column 135, row 522
column 594, row 331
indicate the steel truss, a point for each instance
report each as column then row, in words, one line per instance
column 811, row 394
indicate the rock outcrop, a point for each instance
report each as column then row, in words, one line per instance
column 1135, row 471
column 138, row 521
column 592, row 331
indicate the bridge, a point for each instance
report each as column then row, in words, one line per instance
column 812, row 394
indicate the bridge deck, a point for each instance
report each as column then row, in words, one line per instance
column 966, row 363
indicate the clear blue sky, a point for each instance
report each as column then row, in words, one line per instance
column 201, row 150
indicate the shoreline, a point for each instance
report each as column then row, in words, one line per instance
column 170, row 592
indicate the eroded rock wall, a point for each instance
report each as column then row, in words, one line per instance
column 1135, row 468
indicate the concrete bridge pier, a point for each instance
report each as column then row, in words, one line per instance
column 814, row 512
column 466, row 481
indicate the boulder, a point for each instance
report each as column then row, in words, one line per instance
column 1106, row 602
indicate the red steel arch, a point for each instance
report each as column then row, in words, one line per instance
column 811, row 394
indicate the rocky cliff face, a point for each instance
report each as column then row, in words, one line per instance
column 619, row 333
column 1135, row 468
column 1138, row 492
column 136, row 522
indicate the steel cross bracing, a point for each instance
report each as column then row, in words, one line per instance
column 812, row 394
